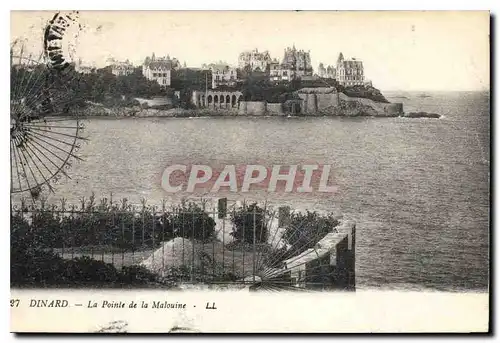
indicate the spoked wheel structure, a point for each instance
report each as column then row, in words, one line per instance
column 278, row 254
column 44, row 134
column 299, row 267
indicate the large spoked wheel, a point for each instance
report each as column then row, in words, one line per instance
column 45, row 132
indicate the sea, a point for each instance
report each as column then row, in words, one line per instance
column 418, row 189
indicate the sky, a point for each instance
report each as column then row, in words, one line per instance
column 434, row 51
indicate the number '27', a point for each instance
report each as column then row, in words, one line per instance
column 14, row 302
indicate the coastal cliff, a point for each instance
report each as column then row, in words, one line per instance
column 348, row 107
column 317, row 101
column 365, row 107
column 328, row 101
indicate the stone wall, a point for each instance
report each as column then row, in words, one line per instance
column 317, row 99
column 242, row 108
column 311, row 104
column 254, row 108
column 275, row 109
column 325, row 101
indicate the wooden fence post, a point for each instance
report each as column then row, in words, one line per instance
column 222, row 208
column 283, row 216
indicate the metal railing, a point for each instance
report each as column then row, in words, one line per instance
column 187, row 242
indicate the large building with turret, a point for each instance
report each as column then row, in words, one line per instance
column 349, row 72
column 299, row 61
column 255, row 60
column 159, row 69
column 120, row 68
column 222, row 74
column 327, row 72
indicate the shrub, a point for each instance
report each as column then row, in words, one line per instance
column 137, row 274
column 85, row 270
column 123, row 229
column 190, row 221
column 43, row 268
column 113, row 225
column 30, row 255
column 247, row 220
column 20, row 233
column 307, row 229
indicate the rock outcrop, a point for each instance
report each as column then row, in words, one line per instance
column 421, row 115
column 328, row 101
column 367, row 92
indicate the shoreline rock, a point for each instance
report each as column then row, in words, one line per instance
column 421, row 115
column 347, row 107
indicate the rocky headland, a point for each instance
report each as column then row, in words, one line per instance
column 320, row 101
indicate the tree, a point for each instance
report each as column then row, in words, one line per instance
column 247, row 221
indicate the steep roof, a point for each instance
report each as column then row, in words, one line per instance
column 256, row 54
column 219, row 67
column 354, row 64
column 122, row 66
column 340, row 59
column 163, row 64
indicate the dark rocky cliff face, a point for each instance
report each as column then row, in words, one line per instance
column 355, row 109
column 362, row 107
column 367, row 92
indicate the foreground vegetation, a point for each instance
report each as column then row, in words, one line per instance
column 39, row 234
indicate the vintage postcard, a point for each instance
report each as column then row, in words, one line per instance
column 195, row 171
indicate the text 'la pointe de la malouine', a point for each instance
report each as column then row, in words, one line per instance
column 308, row 178
column 109, row 304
